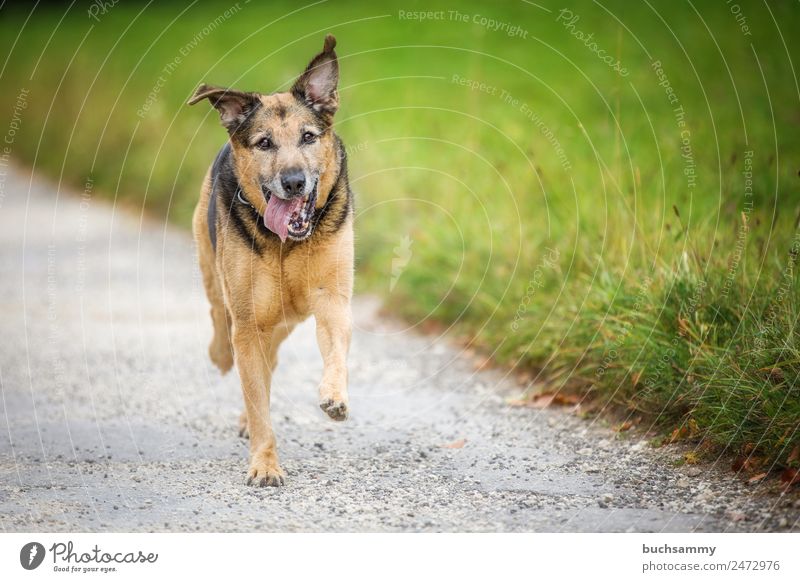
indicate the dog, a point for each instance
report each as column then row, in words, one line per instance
column 274, row 233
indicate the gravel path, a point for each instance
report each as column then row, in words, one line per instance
column 113, row 418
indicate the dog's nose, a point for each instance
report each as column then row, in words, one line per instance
column 293, row 181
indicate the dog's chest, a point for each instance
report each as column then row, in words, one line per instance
column 286, row 285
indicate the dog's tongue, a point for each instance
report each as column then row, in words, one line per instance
column 278, row 214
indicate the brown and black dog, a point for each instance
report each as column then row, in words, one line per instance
column 274, row 232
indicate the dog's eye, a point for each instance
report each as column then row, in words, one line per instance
column 309, row 137
column 265, row 144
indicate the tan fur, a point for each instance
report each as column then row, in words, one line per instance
column 320, row 157
column 263, row 298
column 256, row 300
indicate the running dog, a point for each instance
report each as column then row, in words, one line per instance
column 274, row 233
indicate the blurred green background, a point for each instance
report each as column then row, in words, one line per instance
column 522, row 176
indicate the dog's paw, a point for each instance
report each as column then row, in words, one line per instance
column 265, row 475
column 336, row 409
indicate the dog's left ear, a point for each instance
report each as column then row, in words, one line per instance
column 316, row 87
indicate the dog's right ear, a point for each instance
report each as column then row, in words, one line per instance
column 233, row 106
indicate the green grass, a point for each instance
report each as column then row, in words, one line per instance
column 550, row 218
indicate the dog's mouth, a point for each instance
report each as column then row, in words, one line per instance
column 290, row 218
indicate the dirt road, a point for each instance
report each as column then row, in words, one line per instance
column 113, row 418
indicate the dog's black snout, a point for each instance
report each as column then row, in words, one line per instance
column 293, row 181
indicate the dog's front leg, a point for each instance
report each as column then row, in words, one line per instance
column 332, row 314
column 252, row 352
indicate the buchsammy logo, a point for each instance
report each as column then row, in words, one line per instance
column 31, row 555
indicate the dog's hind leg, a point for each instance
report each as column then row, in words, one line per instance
column 220, row 349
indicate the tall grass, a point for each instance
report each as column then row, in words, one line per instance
column 558, row 214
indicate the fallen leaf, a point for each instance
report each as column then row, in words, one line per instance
column 776, row 375
column 678, row 434
column 566, row 399
column 740, row 463
column 431, row 327
column 545, row 399
column 794, row 455
column 790, row 476
column 481, row 364
column 691, row 458
column 757, row 478
column 459, row 444
column 622, row 427
column 542, row 401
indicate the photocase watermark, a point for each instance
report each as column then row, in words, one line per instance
column 100, row 8
column 31, row 555
column 549, row 262
column 349, row 150
column 507, row 28
column 568, row 20
column 402, row 256
column 80, row 237
column 744, row 226
column 20, row 104
column 522, row 107
column 511, row 30
column 421, row 15
column 689, row 166
column 58, row 366
column 370, row 369
column 170, row 68
column 612, row 353
column 785, row 289
column 741, row 19
column 543, row 128
column 66, row 559
column 669, row 354
column 474, row 85
column 663, row 82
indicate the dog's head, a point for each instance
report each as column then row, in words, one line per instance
column 284, row 150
